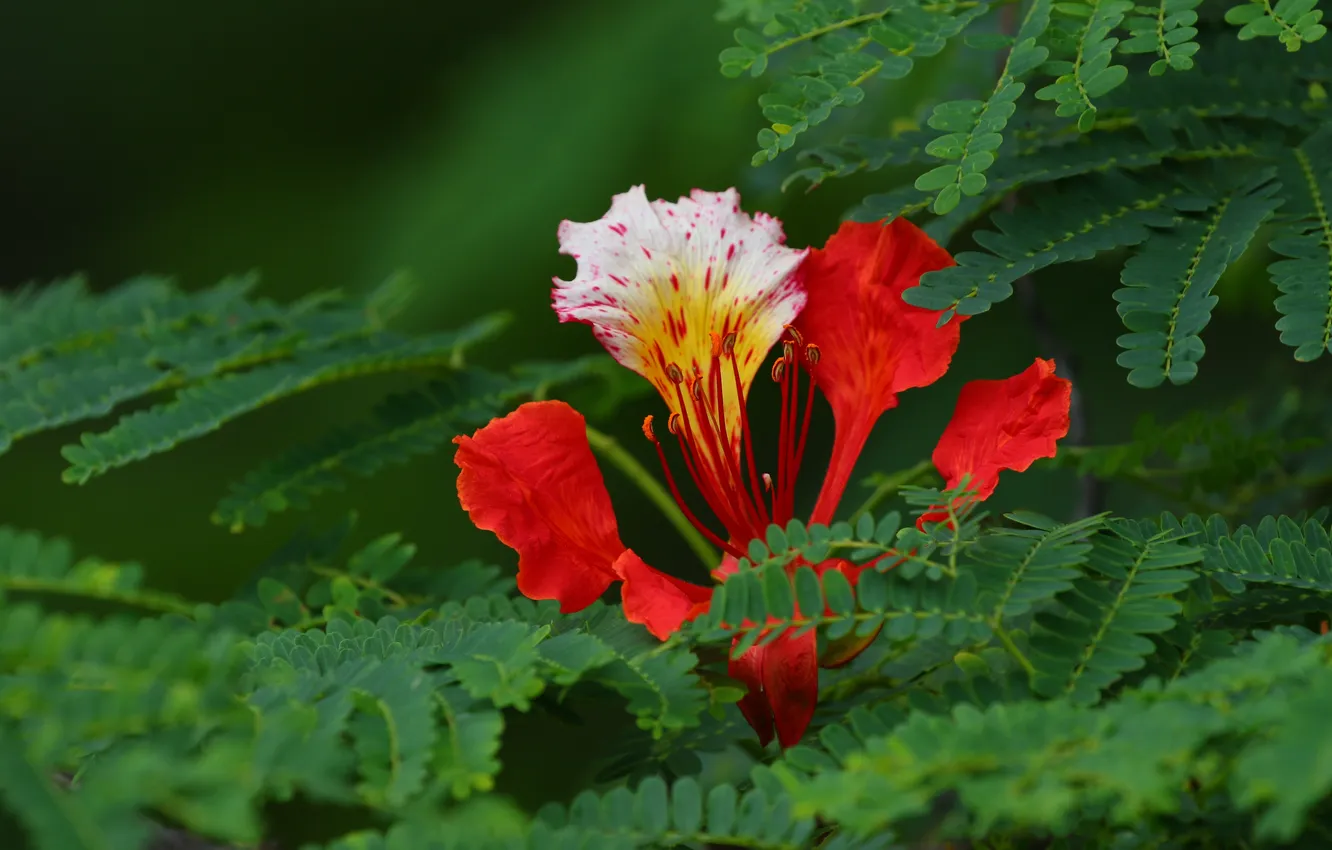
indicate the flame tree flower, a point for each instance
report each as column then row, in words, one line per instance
column 693, row 295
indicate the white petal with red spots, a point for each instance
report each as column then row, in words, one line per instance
column 656, row 279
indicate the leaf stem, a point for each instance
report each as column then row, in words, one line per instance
column 609, row 449
column 160, row 602
column 868, row 17
column 1013, row 650
column 361, row 582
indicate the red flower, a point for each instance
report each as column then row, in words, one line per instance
column 692, row 295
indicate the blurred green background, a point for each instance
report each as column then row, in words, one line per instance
column 329, row 144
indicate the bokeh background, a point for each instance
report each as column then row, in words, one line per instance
column 329, row 144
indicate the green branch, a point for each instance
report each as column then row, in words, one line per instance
column 613, row 452
column 160, row 602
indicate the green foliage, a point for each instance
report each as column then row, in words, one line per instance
column 1010, row 681
column 976, row 128
column 1097, row 633
column 188, row 717
column 406, row 426
column 850, row 48
column 1305, row 239
column 1252, row 457
column 653, row 815
column 1167, row 32
column 1096, row 649
column 1167, row 298
column 70, row 355
column 1112, row 211
column 201, row 408
column 1083, row 32
column 1198, row 746
column 1108, row 154
column 1293, row 22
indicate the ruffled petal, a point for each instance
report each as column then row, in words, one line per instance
column 657, row 280
column 657, row 600
column 783, row 681
column 1000, row 425
column 873, row 344
column 530, row 477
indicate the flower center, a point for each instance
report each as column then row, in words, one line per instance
column 744, row 499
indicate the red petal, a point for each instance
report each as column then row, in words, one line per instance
column 655, row 599
column 783, row 680
column 873, row 344
column 1000, row 425
column 782, row 677
column 748, row 668
column 530, row 477
column 791, row 681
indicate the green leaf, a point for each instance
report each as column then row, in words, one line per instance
column 1167, row 297
column 203, row 408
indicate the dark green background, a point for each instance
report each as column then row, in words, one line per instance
column 329, row 144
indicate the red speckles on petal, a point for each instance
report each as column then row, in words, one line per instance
column 619, row 228
column 659, row 268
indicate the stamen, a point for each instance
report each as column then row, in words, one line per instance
column 715, row 503
column 689, row 515
column 720, row 444
column 746, row 437
column 784, row 492
column 722, row 463
column 702, row 468
column 804, row 426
